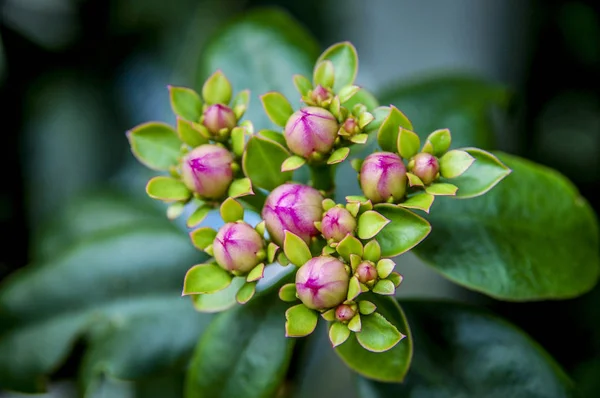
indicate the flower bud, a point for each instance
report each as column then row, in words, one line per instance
column 350, row 127
column 206, row 170
column 295, row 208
column 383, row 177
column 320, row 94
column 337, row 223
column 311, row 130
column 366, row 272
column 236, row 246
column 344, row 313
column 322, row 283
column 218, row 117
column 425, row 166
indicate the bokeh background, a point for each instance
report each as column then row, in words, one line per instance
column 76, row 74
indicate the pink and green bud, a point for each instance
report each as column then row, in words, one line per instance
column 383, row 177
column 295, row 208
column 350, row 127
column 322, row 283
column 366, row 272
column 238, row 247
column 311, row 131
column 219, row 117
column 425, row 166
column 320, row 94
column 344, row 313
column 337, row 223
column 206, row 170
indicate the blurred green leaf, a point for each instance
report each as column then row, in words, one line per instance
column 531, row 237
column 261, row 51
column 461, row 351
column 460, row 103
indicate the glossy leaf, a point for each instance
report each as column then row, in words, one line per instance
column 345, row 63
column 186, row 103
column 339, row 155
column 420, row 201
column 155, row 144
column 293, row 163
column 277, row 107
column 240, row 187
column 370, row 223
column 202, row 237
column 387, row 136
column 300, row 321
column 532, row 237
column 377, row 334
column 206, row 278
column 262, row 163
column 231, row 210
column 372, row 251
column 441, row 189
column 167, row 189
column 454, row 163
column 348, row 246
column 405, row 230
column 288, row 292
column 338, row 333
column 408, row 143
column 462, row 351
column 483, row 175
column 295, row 249
column 438, row 142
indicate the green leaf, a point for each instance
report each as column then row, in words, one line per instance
column 243, row 352
column 256, row 273
column 203, row 237
column 454, row 163
column 303, row 85
column 345, row 63
column 240, row 187
column 414, row 181
column 123, row 274
column 348, row 246
column 155, row 145
column 186, row 103
column 354, row 288
column 167, row 189
column 217, row 89
column 377, row 334
column 262, row 163
column 273, row 136
column 385, row 287
column 367, row 99
column 408, row 143
column 240, row 103
column 462, row 103
column 295, row 249
column 387, row 136
column 292, row 163
column 231, row 210
column 175, row 210
column 348, row 92
column 246, row 292
column 438, row 142
column 388, row 366
column 385, row 267
column 405, row 230
column 339, row 155
column 441, row 189
column 288, row 292
column 420, row 201
column 372, row 251
column 323, row 74
column 188, row 134
column 366, row 307
column 221, row 300
column 300, row 321
column 205, row 278
column 462, row 351
column 277, row 107
column 338, row 333
column 198, row 216
column 483, row 175
column 532, row 237
column 370, row 223
column 279, row 46
column 238, row 141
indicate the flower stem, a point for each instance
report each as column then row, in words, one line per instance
column 323, row 178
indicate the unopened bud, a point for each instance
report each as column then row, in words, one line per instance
column 311, row 130
column 322, row 283
column 425, row 166
column 366, row 272
column 206, row 170
column 320, row 94
column 238, row 247
column 383, row 177
column 218, row 117
column 344, row 313
column 337, row 223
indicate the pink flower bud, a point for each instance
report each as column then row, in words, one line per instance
column 217, row 117
column 236, row 246
column 337, row 223
column 311, row 130
column 366, row 272
column 425, row 166
column 344, row 313
column 322, row 283
column 295, row 208
column 206, row 170
column 320, row 94
column 383, row 176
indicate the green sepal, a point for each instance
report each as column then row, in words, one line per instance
column 364, row 119
column 396, row 278
column 295, row 249
column 323, row 74
column 355, row 324
column 261, row 228
column 231, row 210
column 421, row 201
column 282, row 259
column 238, row 141
column 414, row 181
column 441, row 189
column 438, row 142
column 378, row 334
column 303, row 85
column 203, row 237
column 240, row 187
column 189, row 134
column 356, row 198
column 348, row 92
column 175, row 210
column 370, row 223
column 345, row 63
column 356, row 164
column 366, row 307
column 385, row 267
column 209, row 250
column 277, row 107
column 353, row 208
column 205, row 278
column 349, row 245
column 355, row 260
column 287, row 292
column 354, row 288
column 293, row 163
column 198, row 216
column 186, row 103
column 240, row 103
column 404, row 232
column 454, row 163
column 246, row 292
column 359, row 138
column 329, row 315
column 339, row 155
column 408, row 143
column 327, row 251
column 272, row 252
column 387, row 136
column 300, row 321
column 372, row 251
column 328, row 204
column 156, row 145
column 167, row 189
column 217, row 89
column 338, row 333
column 256, row 273
column 385, row 287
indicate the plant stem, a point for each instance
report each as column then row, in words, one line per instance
column 323, row 178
